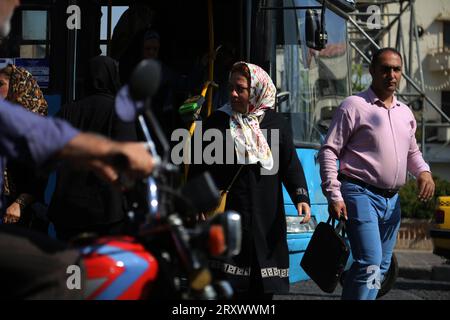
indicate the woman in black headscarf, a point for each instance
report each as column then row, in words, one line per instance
column 82, row 202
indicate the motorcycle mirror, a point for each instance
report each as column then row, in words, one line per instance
column 145, row 79
column 126, row 108
column 143, row 84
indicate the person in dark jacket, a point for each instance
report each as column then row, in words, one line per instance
column 262, row 267
column 82, row 202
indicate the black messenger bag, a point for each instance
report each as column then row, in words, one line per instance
column 326, row 255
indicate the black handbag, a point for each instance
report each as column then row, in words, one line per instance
column 326, row 255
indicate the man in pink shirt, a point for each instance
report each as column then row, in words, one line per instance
column 373, row 137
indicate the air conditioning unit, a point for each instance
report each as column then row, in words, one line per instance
column 444, row 134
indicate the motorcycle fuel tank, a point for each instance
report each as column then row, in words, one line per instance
column 118, row 268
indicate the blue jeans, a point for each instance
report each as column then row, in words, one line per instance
column 372, row 227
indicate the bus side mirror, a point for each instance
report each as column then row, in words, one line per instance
column 316, row 35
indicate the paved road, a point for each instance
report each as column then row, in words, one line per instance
column 404, row 289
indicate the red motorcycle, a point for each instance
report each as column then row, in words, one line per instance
column 166, row 260
column 167, row 256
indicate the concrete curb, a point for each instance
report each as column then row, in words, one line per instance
column 422, row 265
column 441, row 273
column 435, row 273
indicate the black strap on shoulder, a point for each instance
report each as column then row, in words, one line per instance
column 234, row 178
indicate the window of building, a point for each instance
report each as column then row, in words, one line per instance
column 447, row 34
column 35, row 35
column 445, row 103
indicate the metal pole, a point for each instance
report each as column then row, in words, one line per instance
column 389, row 33
column 403, row 47
column 72, row 57
column 109, row 27
column 273, row 51
column 437, row 125
column 422, row 119
column 354, row 46
column 249, row 29
column 75, row 62
column 411, row 32
column 389, row 26
column 416, row 36
column 211, row 58
column 399, row 28
column 369, row 14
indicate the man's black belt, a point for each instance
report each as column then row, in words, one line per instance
column 387, row 193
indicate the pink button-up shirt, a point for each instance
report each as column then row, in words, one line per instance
column 373, row 143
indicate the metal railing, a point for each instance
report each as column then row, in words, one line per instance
column 415, row 91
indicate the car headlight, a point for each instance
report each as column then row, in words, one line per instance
column 294, row 225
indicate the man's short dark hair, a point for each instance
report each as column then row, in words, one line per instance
column 379, row 52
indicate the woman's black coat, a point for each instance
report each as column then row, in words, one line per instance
column 259, row 200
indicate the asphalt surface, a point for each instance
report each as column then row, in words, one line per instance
column 404, row 289
column 421, row 276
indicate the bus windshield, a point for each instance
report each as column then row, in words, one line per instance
column 315, row 82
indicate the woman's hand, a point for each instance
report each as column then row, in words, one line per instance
column 304, row 209
column 12, row 213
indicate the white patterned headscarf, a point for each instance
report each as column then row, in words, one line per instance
column 250, row 144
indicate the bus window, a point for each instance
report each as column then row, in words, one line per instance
column 35, row 40
column 317, row 81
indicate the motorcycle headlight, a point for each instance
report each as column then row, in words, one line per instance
column 231, row 223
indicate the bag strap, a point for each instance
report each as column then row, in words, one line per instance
column 234, row 179
column 340, row 227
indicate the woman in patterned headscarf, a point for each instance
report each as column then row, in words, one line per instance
column 262, row 162
column 22, row 187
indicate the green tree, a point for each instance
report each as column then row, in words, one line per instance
column 358, row 81
column 412, row 207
